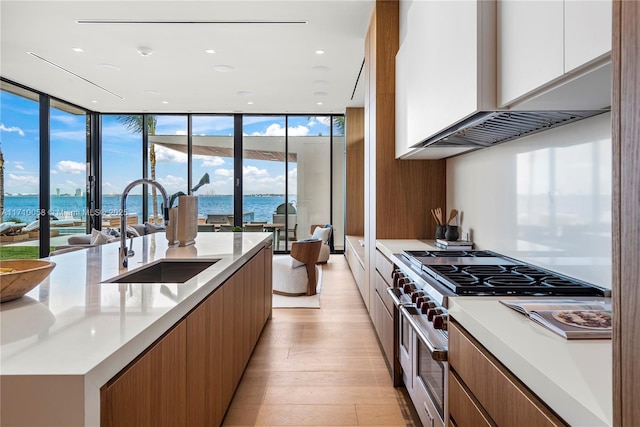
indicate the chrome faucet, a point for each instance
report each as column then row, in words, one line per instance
column 124, row 252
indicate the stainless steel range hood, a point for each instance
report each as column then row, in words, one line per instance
column 488, row 128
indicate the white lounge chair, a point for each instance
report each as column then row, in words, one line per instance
column 11, row 228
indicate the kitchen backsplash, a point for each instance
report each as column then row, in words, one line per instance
column 544, row 199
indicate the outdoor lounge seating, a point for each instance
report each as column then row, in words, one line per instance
column 11, row 228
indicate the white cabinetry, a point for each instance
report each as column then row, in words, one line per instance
column 587, row 34
column 539, row 42
column 445, row 67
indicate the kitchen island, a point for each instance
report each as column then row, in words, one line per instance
column 65, row 342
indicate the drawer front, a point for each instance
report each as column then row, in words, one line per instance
column 381, row 289
column 463, row 410
column 505, row 398
column 384, row 266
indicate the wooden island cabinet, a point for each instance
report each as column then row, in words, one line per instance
column 189, row 375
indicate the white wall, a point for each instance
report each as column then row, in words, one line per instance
column 543, row 199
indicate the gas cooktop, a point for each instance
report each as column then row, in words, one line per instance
column 489, row 273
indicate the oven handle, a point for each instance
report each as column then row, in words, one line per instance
column 437, row 353
column 394, row 298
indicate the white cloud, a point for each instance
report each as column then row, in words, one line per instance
column 173, row 184
column 64, row 119
column 71, row 135
column 3, row 128
column 181, row 132
column 252, row 172
column 18, row 165
column 223, row 172
column 276, row 130
column 167, row 155
column 53, row 172
column 69, row 166
column 209, row 161
column 23, row 179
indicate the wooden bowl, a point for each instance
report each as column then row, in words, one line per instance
column 27, row 274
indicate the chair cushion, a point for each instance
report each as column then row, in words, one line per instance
column 153, row 228
column 288, row 280
column 325, row 252
column 99, row 238
column 322, row 234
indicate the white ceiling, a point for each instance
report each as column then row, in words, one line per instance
column 275, row 63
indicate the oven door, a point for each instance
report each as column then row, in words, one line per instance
column 429, row 385
column 405, row 348
column 428, row 357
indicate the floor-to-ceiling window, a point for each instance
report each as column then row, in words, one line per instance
column 166, row 163
column 20, row 171
column 212, row 148
column 68, row 169
column 264, row 177
column 121, row 163
column 290, row 172
column 43, row 171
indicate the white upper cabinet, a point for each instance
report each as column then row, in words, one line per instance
column 530, row 48
column 540, row 42
column 447, row 62
column 587, row 31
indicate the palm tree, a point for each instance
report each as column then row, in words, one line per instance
column 135, row 124
column 338, row 121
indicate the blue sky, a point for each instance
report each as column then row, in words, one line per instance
column 19, row 135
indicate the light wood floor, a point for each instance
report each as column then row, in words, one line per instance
column 321, row 367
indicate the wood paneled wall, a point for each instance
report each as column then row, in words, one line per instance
column 626, row 212
column 354, row 225
column 405, row 190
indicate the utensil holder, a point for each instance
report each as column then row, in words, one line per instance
column 451, row 234
column 440, row 231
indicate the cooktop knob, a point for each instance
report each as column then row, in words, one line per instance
column 408, row 288
column 440, row 322
column 432, row 312
column 420, row 300
column 416, row 295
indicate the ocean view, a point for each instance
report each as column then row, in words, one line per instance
column 25, row 208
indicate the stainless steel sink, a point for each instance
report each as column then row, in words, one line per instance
column 165, row 271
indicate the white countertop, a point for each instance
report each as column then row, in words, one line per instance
column 73, row 325
column 573, row 377
column 391, row 246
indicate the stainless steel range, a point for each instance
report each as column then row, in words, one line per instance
column 424, row 280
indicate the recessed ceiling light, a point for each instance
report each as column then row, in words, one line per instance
column 250, row 102
column 77, row 49
column 243, row 93
column 318, row 103
column 144, row 50
column 165, row 102
column 320, row 94
column 320, row 83
column 109, row 67
column 210, row 51
column 319, row 52
column 151, row 92
column 320, row 68
column 223, row 68
column 94, row 101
